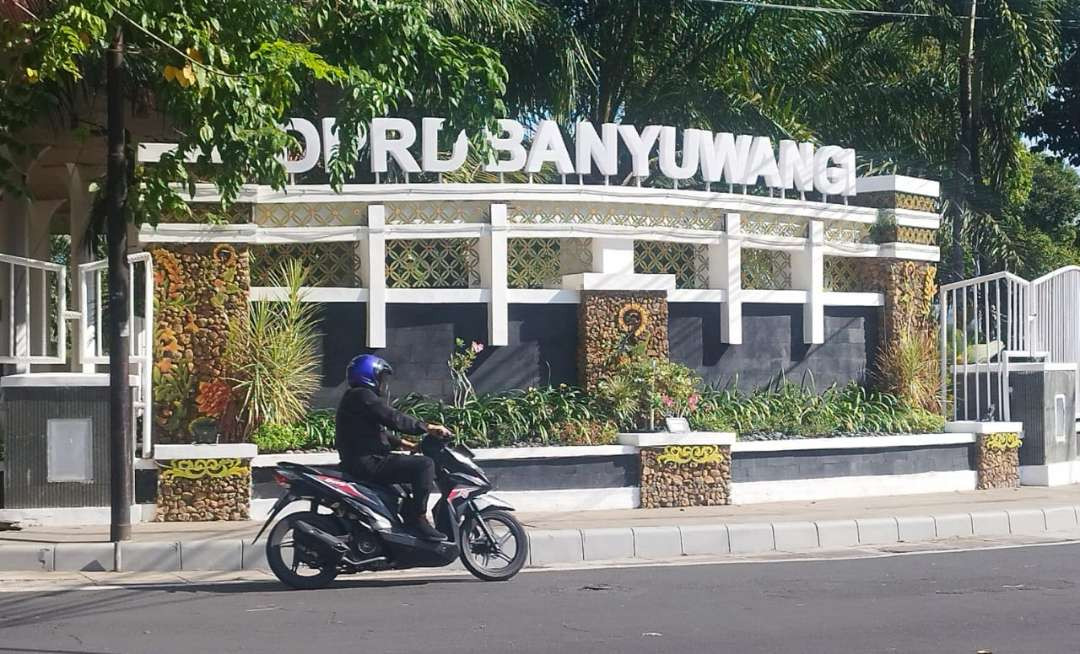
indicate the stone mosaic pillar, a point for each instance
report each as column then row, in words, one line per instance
column 209, row 483
column 997, row 460
column 679, row 470
column 199, row 292
column 609, row 321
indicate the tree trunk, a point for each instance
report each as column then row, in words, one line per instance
column 121, row 448
column 967, row 144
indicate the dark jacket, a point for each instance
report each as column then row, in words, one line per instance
column 359, row 432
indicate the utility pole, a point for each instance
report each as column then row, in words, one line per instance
column 121, row 450
column 968, row 142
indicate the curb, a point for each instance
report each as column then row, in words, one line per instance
column 569, row 546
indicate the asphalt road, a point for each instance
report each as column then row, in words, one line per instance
column 1020, row 600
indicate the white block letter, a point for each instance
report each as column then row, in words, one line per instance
column 797, row 165
column 763, row 163
column 430, row 148
column 833, row 180
column 309, row 138
column 690, row 150
column 725, row 157
column 330, row 140
column 398, row 148
column 511, row 143
column 590, row 146
column 640, row 146
column 548, row 146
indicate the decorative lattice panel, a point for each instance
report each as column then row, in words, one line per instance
column 848, row 232
column 766, row 269
column 328, row 264
column 792, row 227
column 433, row 263
column 542, row 262
column 203, row 214
column 436, row 213
column 308, row 214
column 847, row 275
column 533, row 262
column 916, row 235
column 688, row 262
column 616, row 214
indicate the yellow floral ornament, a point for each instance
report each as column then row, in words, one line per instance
column 683, row 454
column 1002, row 442
column 199, row 468
column 633, row 318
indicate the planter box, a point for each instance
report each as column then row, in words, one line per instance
column 203, row 482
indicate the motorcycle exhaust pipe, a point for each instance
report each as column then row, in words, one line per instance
column 335, row 544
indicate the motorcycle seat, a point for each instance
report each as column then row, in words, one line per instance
column 396, row 491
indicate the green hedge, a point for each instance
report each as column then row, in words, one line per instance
column 565, row 415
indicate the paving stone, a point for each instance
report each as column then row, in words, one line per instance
column 837, row 533
column 700, row 540
column 608, row 544
column 149, row 557
column 878, row 531
column 1026, row 521
column 19, row 558
column 751, row 537
column 916, row 528
column 254, row 556
column 657, row 542
column 225, row 555
column 549, row 546
column 989, row 523
column 85, row 557
column 795, row 536
column 953, row 525
column 1060, row 518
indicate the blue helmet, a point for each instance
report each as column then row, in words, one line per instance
column 367, row 370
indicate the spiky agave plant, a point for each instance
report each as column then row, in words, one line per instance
column 274, row 355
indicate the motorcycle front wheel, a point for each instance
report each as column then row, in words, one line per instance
column 497, row 553
column 291, row 565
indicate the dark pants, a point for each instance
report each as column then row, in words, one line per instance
column 417, row 471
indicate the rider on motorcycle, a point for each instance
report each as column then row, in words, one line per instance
column 366, row 448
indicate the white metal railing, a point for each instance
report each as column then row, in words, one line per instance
column 985, row 322
column 34, row 316
column 92, row 281
column 34, row 335
column 989, row 321
column 1055, row 309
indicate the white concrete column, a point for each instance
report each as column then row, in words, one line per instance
column 80, row 204
column 725, row 273
column 493, row 276
column 611, row 255
column 808, row 274
column 373, row 269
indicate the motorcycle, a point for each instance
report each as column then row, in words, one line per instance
column 355, row 526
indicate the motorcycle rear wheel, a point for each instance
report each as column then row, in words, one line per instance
column 281, row 540
column 477, row 553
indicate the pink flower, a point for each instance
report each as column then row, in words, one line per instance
column 477, row 348
column 692, row 401
column 668, row 402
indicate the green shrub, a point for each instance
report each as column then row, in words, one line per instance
column 318, row 428
column 273, row 438
column 794, row 410
column 537, row 415
column 639, row 390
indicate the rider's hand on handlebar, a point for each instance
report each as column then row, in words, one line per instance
column 439, row 431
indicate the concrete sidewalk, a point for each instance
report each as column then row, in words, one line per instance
column 583, row 536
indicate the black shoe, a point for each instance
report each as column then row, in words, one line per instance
column 425, row 531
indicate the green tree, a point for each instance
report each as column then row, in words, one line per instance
column 223, row 76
